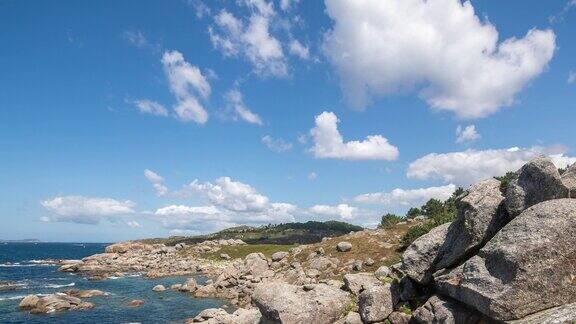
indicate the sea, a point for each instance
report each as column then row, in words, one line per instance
column 25, row 265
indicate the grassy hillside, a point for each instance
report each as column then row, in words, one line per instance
column 283, row 234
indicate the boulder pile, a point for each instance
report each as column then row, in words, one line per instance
column 70, row 300
column 510, row 255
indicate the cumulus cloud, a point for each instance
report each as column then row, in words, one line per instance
column 276, row 144
column 286, row 5
column 151, row 107
column 85, row 210
column 157, row 181
column 439, row 48
column 467, row 134
column 328, row 143
column 343, row 211
column 250, row 38
column 407, row 197
column 186, row 83
column 298, row 49
column 470, row 166
column 236, row 105
column 189, row 87
column 231, row 195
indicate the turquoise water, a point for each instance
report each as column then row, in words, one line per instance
column 20, row 262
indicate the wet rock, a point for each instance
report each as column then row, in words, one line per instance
column 135, row 303
column 189, row 286
column 85, row 293
column 159, row 288
column 29, row 302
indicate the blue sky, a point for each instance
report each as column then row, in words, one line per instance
column 129, row 119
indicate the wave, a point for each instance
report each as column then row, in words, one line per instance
column 72, row 284
column 20, row 297
column 18, row 264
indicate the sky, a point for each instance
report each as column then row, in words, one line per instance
column 129, row 119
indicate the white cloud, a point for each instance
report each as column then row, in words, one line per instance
column 133, row 224
column 276, row 144
column 328, row 143
column 186, row 83
column 135, row 38
column 559, row 17
column 474, row 165
column 286, row 5
column 86, row 210
column 407, row 197
column 571, row 77
column 200, row 8
column 157, row 181
column 202, row 219
column 250, row 38
column 298, row 49
column 236, row 104
column 151, row 107
column 312, row 176
column 467, row 134
column 439, row 48
column 231, row 195
column 343, row 211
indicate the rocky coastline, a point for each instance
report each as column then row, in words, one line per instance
column 509, row 256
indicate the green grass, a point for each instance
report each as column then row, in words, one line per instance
column 241, row 251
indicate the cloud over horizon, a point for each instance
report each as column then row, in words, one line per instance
column 439, row 49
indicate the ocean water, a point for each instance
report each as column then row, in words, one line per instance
column 21, row 263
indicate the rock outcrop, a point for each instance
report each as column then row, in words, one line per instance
column 418, row 261
column 53, row 303
column 481, row 214
column 569, row 180
column 529, row 266
column 537, row 181
column 285, row 303
column 376, row 303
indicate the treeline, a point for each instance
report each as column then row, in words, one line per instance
column 436, row 211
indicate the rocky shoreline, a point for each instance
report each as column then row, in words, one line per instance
column 509, row 256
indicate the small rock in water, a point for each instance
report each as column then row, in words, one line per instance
column 135, row 303
column 159, row 288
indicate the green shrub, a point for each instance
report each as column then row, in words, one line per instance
column 413, row 233
column 390, row 220
column 505, row 180
column 413, row 212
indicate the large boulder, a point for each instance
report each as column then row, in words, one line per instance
column 376, row 303
column 255, row 264
column 279, row 256
column 557, row 315
column 569, row 180
column 285, row 303
column 357, row 282
column 537, row 181
column 444, row 310
column 481, row 214
column 419, row 258
column 526, row 268
column 123, row 247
